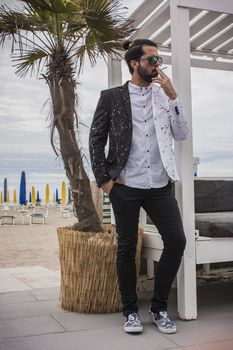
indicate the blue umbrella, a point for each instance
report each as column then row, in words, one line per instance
column 37, row 197
column 5, row 190
column 57, row 199
column 30, row 197
column 22, row 189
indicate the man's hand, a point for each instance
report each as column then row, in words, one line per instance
column 166, row 84
column 107, row 186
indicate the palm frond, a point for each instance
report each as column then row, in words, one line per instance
column 75, row 27
column 38, row 4
column 106, row 27
column 53, row 6
column 11, row 21
column 29, row 61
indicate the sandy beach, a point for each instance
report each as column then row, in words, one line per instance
column 32, row 245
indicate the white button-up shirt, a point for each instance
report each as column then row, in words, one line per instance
column 144, row 168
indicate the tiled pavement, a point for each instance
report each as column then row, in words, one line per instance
column 32, row 319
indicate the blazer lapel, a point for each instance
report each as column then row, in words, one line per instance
column 126, row 99
column 155, row 101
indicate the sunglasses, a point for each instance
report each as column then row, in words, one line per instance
column 152, row 60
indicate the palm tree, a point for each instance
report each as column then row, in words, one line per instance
column 52, row 38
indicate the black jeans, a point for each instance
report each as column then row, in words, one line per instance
column 161, row 206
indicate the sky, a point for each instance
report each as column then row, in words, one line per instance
column 25, row 105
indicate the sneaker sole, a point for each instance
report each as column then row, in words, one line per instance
column 167, row 331
column 133, row 329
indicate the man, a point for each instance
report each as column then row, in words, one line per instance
column 141, row 119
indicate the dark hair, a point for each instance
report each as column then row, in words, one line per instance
column 135, row 49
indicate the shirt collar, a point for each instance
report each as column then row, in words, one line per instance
column 135, row 88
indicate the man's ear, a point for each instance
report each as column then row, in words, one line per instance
column 134, row 64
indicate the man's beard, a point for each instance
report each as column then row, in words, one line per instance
column 142, row 72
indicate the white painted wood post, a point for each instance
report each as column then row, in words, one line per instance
column 181, row 77
column 114, row 72
column 114, row 79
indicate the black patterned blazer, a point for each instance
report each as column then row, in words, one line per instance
column 113, row 118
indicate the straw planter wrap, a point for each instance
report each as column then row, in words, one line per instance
column 88, row 270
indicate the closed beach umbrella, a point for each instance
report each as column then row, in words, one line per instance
column 33, row 195
column 1, row 199
column 5, row 190
column 15, row 197
column 69, row 195
column 8, row 196
column 22, row 192
column 37, row 197
column 47, row 194
column 57, row 195
column 30, row 197
column 63, row 193
column 54, row 197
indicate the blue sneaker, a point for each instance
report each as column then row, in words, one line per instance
column 162, row 321
column 133, row 324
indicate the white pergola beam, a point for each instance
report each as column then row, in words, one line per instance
column 207, row 64
column 227, row 46
column 144, row 10
column 165, row 36
column 225, row 6
column 214, row 30
column 181, row 76
column 219, row 40
column 201, row 25
column 154, row 22
column 198, row 63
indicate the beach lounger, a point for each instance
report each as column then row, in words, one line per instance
column 7, row 220
column 37, row 218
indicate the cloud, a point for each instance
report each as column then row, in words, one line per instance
column 212, row 120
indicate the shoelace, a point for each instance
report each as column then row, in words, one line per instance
column 164, row 319
column 133, row 318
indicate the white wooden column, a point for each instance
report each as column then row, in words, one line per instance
column 181, row 77
column 114, row 72
column 114, row 79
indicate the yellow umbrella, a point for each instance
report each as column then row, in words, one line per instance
column 8, row 196
column 1, row 201
column 63, row 193
column 47, row 194
column 15, row 197
column 33, row 195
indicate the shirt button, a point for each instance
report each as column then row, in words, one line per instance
column 148, row 151
column 148, row 166
column 145, row 121
column 144, row 106
column 146, row 135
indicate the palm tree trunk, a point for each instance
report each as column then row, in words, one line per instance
column 62, row 89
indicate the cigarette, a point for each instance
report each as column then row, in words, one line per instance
column 163, row 68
